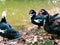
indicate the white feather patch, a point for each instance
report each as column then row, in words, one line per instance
column 2, row 31
column 3, row 14
column 37, row 21
column 44, row 22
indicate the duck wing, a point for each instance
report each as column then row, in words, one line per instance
column 54, row 16
column 53, row 28
column 56, row 19
column 4, row 26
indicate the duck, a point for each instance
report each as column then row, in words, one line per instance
column 33, row 18
column 6, row 30
column 51, row 24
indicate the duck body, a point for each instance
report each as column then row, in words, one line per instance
column 52, row 27
column 4, row 26
column 10, row 34
column 36, row 21
column 7, row 32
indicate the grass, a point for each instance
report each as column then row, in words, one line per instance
column 21, row 27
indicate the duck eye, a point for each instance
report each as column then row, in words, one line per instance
column 31, row 14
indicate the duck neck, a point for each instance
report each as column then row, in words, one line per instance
column 47, row 22
column 47, row 26
column 32, row 17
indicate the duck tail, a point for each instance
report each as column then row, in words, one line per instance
column 3, row 16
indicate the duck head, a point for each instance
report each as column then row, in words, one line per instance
column 32, row 12
column 43, row 12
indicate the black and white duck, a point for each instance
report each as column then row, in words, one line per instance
column 6, row 30
column 51, row 25
column 33, row 18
